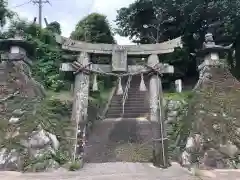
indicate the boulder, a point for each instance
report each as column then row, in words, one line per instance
column 14, row 120
column 212, row 158
column 17, row 112
column 9, row 159
column 229, row 149
column 185, row 159
column 37, row 146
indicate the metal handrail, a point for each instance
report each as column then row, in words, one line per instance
column 125, row 94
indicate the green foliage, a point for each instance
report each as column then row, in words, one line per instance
column 150, row 21
column 76, row 165
column 55, row 27
column 93, row 28
column 5, row 13
column 42, row 162
column 186, row 95
column 54, row 116
column 46, row 55
column 179, row 130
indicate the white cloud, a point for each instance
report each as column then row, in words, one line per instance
column 69, row 12
column 109, row 7
column 123, row 40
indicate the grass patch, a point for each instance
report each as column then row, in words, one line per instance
column 76, row 165
column 62, row 95
column 185, row 95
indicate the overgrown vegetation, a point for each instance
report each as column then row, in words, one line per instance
column 75, row 165
column 46, row 54
column 52, row 115
column 215, row 110
column 178, row 130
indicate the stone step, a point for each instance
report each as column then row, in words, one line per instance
column 134, row 103
column 127, row 109
column 129, row 114
column 130, row 109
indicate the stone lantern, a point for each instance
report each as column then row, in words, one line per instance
column 210, row 54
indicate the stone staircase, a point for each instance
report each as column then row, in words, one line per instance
column 136, row 105
column 123, row 137
column 119, row 140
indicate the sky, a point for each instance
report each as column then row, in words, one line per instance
column 69, row 12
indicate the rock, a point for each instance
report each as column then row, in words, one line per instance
column 194, row 143
column 185, row 159
column 172, row 113
column 229, row 149
column 202, row 112
column 216, row 127
column 38, row 153
column 17, row 112
column 174, row 105
column 12, row 134
column 55, row 142
column 38, row 145
column 38, row 139
column 170, row 119
column 14, row 120
column 198, row 140
column 212, row 158
column 41, row 142
column 237, row 131
column 9, row 160
column 190, row 144
column 164, row 101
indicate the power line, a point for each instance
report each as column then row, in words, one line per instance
column 40, row 7
column 23, row 4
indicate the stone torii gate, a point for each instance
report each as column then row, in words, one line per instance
column 119, row 65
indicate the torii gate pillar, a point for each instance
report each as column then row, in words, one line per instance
column 80, row 104
column 160, row 147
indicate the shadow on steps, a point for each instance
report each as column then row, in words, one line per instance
column 114, row 140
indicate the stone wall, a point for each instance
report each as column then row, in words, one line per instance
column 176, row 108
column 22, row 138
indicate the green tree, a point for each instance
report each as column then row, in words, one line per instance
column 96, row 29
column 54, row 27
column 151, row 21
column 93, row 28
column 172, row 18
column 5, row 13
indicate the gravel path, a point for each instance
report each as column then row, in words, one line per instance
column 108, row 171
column 126, row 171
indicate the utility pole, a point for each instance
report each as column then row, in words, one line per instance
column 40, row 13
column 40, row 7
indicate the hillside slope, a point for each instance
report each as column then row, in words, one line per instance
column 214, row 114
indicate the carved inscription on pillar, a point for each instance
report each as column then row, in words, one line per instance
column 119, row 59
